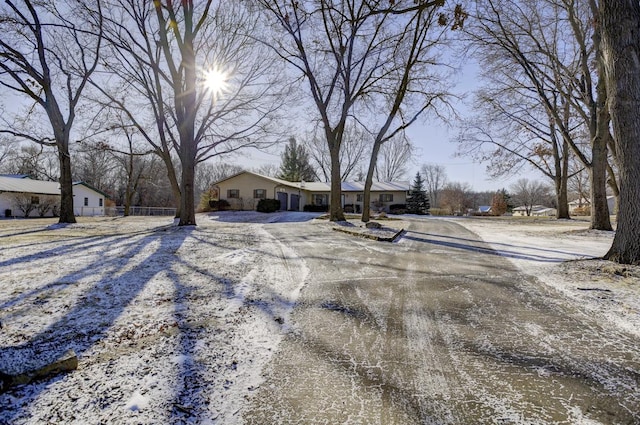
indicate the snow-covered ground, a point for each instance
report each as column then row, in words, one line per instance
column 564, row 254
column 174, row 325
column 171, row 325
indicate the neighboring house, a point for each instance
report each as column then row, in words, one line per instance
column 87, row 200
column 535, row 211
column 581, row 206
column 244, row 190
column 484, row 209
column 21, row 196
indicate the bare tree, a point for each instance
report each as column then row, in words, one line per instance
column 208, row 173
column 25, row 203
column 133, row 163
column 94, row 163
column 435, row 179
column 353, row 150
column 37, row 161
column 46, row 204
column 6, row 149
column 48, row 51
column 359, row 59
column 620, row 20
column 578, row 184
column 269, row 170
column 196, row 69
column 529, row 193
column 456, row 197
column 394, row 158
column 546, row 50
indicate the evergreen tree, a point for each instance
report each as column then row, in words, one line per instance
column 418, row 202
column 295, row 164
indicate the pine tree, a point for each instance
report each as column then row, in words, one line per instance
column 418, row 202
column 295, row 164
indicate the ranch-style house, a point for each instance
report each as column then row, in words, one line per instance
column 244, row 190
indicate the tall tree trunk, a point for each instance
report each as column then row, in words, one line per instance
column 562, row 177
column 620, row 20
column 66, row 185
column 187, row 104
column 600, row 214
column 335, row 203
column 598, row 179
column 369, row 181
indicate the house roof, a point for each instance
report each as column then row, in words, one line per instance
column 273, row 179
column 584, row 201
column 26, row 185
column 37, row 187
column 88, row 186
column 16, row 176
column 533, row 208
column 326, row 187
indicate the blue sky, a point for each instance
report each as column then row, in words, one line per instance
column 434, row 146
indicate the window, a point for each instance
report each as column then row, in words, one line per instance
column 233, row 193
column 386, row 197
column 35, row 200
column 320, row 200
column 86, row 202
column 360, row 197
column 100, row 202
column 260, row 193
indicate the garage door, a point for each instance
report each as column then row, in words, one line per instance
column 282, row 197
column 295, row 202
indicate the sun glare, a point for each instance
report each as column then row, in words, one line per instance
column 215, row 80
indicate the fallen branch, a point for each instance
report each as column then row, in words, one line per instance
column 65, row 363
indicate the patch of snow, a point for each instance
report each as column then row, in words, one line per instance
column 565, row 255
column 137, row 402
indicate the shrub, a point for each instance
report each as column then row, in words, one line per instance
column 439, row 211
column 584, row 210
column 220, row 205
column 349, row 208
column 268, row 205
column 397, row 209
column 316, row 208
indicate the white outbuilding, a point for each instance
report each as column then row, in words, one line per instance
column 21, row 196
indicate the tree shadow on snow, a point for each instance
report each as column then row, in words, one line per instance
column 92, row 315
column 545, row 256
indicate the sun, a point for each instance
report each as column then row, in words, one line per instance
column 215, row 80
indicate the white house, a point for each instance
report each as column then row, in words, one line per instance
column 21, row 196
column 87, row 200
column 244, row 190
column 535, row 211
column 582, row 206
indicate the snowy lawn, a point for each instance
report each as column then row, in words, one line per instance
column 174, row 325
column 564, row 254
column 170, row 324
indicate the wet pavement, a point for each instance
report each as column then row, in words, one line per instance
column 438, row 329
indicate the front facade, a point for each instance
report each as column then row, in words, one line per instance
column 244, row 190
column 534, row 211
column 582, row 206
column 24, row 197
column 87, row 200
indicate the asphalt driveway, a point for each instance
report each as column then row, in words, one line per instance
column 438, row 329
